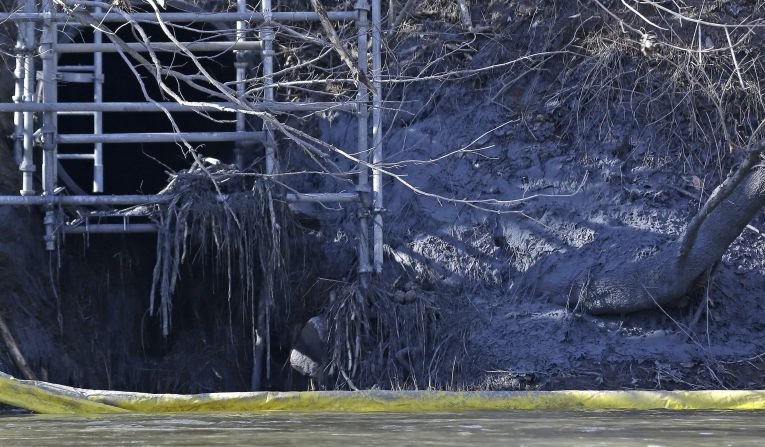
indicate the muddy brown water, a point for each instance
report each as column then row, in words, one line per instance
column 509, row 428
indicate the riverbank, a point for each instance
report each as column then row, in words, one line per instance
column 536, row 108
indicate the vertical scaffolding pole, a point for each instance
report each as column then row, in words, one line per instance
column 27, row 166
column 260, row 367
column 267, row 35
column 391, row 14
column 50, row 95
column 362, row 8
column 98, row 117
column 241, row 73
column 377, row 134
column 18, row 93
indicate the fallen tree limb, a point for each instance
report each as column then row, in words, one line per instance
column 621, row 281
column 670, row 273
column 721, row 193
column 13, row 349
column 334, row 39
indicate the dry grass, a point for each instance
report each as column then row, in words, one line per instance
column 690, row 92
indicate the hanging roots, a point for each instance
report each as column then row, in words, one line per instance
column 376, row 340
column 233, row 225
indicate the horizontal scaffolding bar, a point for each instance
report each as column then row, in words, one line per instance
column 82, row 200
column 154, row 199
column 118, row 138
column 110, row 47
column 339, row 197
column 110, row 228
column 178, row 17
column 76, row 156
column 76, row 78
column 73, row 113
column 86, row 107
column 76, row 68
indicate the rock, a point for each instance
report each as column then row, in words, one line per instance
column 309, row 355
column 304, row 364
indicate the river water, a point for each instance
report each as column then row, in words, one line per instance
column 485, row 429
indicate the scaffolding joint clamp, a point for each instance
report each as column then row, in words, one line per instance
column 50, row 216
column 26, row 166
column 46, row 41
column 362, row 5
column 47, row 137
column 25, row 49
column 362, row 212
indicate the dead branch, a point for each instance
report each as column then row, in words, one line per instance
column 15, row 352
column 326, row 24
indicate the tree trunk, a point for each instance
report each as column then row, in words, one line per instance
column 667, row 275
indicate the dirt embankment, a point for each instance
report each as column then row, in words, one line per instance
column 594, row 174
column 613, row 165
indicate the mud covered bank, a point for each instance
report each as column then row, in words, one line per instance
column 614, row 179
column 536, row 106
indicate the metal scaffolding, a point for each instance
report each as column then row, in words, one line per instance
column 36, row 118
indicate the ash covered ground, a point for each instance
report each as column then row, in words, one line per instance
column 602, row 189
column 590, row 173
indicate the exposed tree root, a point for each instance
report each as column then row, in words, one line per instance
column 375, row 340
column 242, row 238
column 667, row 275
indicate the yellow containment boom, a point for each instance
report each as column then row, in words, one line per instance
column 43, row 397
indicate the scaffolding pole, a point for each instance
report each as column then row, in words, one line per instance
column 242, row 66
column 189, row 17
column 49, row 131
column 160, row 107
column 27, row 41
column 25, row 106
column 261, row 345
column 267, row 37
column 18, row 96
column 323, row 197
column 131, row 200
column 109, row 228
column 362, row 142
column 76, row 156
column 377, row 134
column 98, row 116
column 160, row 47
column 158, row 137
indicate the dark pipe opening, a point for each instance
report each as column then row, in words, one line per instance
column 209, row 347
column 133, row 167
column 203, row 353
